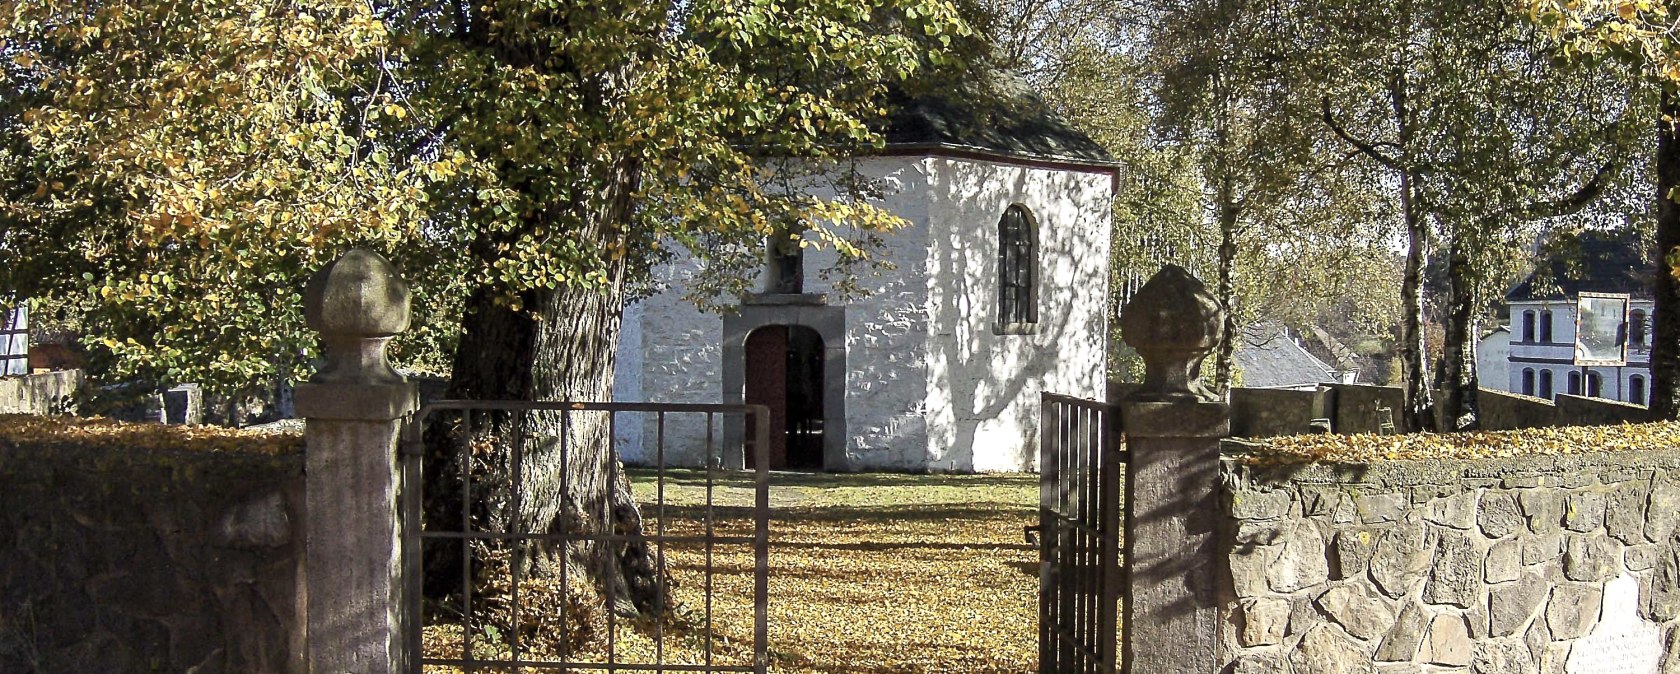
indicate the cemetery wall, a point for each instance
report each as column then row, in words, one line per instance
column 1354, row 408
column 1533, row 564
column 1264, row 413
column 1502, row 411
column 44, row 393
column 116, row 558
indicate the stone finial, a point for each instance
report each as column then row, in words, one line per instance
column 357, row 303
column 1173, row 322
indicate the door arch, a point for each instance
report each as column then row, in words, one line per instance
column 784, row 370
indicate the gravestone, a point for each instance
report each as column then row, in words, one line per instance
column 1622, row 642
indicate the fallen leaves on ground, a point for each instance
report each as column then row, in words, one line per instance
column 868, row 574
column 1367, row 448
column 102, row 432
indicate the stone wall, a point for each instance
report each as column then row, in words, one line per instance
column 1357, row 408
column 1583, row 411
column 1354, row 408
column 118, row 559
column 1503, row 411
column 1264, row 413
column 44, row 393
column 1527, row 565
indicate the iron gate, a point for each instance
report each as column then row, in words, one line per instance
column 482, row 649
column 1080, row 464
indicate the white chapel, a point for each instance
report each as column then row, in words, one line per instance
column 997, row 293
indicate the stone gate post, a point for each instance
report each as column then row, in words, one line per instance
column 1173, row 428
column 354, row 410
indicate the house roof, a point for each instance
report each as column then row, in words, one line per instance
column 1269, row 358
column 996, row 115
column 1599, row 262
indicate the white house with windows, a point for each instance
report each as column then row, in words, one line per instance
column 997, row 293
column 1543, row 321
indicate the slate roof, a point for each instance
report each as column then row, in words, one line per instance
column 1268, row 358
column 1602, row 262
column 987, row 114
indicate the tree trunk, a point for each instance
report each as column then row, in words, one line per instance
column 560, row 348
column 1419, row 407
column 1665, row 343
column 1230, row 212
column 1223, row 360
column 1461, row 406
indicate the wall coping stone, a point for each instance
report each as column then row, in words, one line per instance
column 1448, row 472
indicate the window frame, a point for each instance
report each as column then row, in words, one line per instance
column 1017, row 314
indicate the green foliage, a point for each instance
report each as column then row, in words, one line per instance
column 1640, row 31
column 182, row 167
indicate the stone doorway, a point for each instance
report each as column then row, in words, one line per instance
column 784, row 371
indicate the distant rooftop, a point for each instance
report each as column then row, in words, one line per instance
column 1601, row 262
column 996, row 114
column 1269, row 358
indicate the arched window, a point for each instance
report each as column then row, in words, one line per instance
column 1636, row 390
column 1574, row 383
column 1636, row 330
column 1546, row 327
column 1595, row 385
column 1528, row 381
column 1546, row 384
column 1017, row 270
column 1528, row 326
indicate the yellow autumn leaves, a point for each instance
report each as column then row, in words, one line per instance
column 1368, row 448
column 868, row 574
column 101, row 432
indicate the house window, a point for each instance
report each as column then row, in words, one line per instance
column 1546, row 384
column 1595, row 385
column 1574, row 383
column 1636, row 390
column 1546, row 327
column 1017, row 271
column 1636, row 330
column 1528, row 326
column 1528, row 381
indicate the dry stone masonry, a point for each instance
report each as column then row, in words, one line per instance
column 1526, row 565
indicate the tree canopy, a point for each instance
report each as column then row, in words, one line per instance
column 178, row 168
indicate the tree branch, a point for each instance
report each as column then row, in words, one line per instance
column 1364, row 148
column 1572, row 204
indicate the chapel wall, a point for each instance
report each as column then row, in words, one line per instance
column 983, row 388
column 681, row 350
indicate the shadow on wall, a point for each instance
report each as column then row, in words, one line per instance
column 1358, row 408
column 992, row 378
column 118, row 559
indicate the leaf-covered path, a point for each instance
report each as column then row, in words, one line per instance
column 883, row 573
column 869, row 573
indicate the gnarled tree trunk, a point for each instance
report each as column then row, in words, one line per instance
column 559, row 348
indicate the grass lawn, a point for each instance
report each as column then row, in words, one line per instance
column 868, row 573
